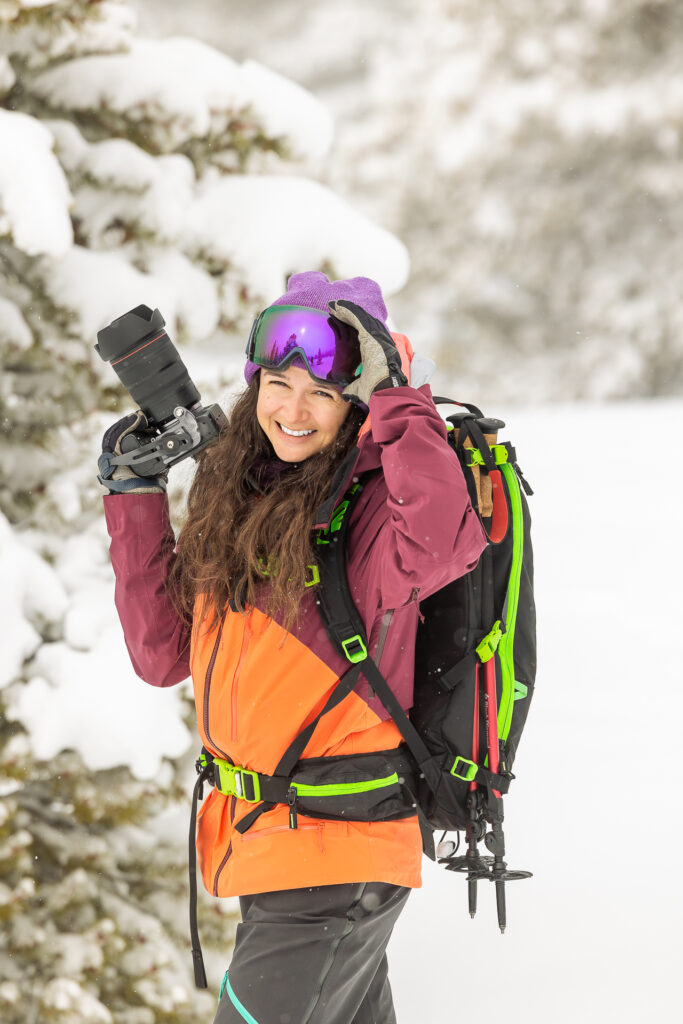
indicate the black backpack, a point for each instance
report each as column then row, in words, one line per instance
column 475, row 659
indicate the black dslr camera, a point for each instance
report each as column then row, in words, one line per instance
column 152, row 372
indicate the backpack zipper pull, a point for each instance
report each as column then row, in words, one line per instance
column 291, row 800
column 524, row 483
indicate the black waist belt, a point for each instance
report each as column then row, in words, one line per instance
column 353, row 787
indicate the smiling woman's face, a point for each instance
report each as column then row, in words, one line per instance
column 299, row 416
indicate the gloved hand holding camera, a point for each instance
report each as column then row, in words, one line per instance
column 121, row 479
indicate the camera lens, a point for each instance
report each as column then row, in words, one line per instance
column 147, row 363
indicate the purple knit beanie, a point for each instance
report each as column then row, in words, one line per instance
column 314, row 289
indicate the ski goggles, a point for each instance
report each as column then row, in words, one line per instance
column 329, row 348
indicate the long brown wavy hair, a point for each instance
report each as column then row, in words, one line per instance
column 249, row 518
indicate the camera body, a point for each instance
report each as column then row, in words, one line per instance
column 148, row 365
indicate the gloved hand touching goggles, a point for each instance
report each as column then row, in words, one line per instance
column 329, row 348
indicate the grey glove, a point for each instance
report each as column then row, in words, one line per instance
column 122, row 479
column 379, row 355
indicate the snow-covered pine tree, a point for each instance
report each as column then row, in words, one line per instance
column 131, row 172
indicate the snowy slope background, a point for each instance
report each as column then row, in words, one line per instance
column 137, row 170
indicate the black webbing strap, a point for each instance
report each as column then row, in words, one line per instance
column 342, row 622
column 470, row 428
column 458, row 672
column 197, row 958
column 427, row 763
column 440, row 400
column 298, row 745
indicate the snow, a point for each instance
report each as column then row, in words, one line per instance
column 197, row 308
column 31, row 594
column 120, row 188
column 258, row 227
column 34, row 194
column 81, row 691
column 193, row 91
column 594, row 935
column 67, row 998
column 7, row 76
column 266, row 224
column 13, row 328
column 104, row 712
column 96, row 287
column 39, row 37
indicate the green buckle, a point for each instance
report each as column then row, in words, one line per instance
column 231, row 781
column 460, row 762
column 487, row 647
column 475, row 458
column 499, row 452
column 315, row 576
column 361, row 652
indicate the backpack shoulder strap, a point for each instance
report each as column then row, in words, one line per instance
column 345, row 627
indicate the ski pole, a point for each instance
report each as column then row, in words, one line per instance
column 473, row 831
column 497, row 844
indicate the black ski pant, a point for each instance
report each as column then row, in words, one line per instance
column 313, row 956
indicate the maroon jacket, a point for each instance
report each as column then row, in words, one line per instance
column 412, row 530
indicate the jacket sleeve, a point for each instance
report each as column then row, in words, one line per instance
column 430, row 534
column 142, row 551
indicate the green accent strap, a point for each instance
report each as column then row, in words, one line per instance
column 487, row 647
column 475, row 458
column 459, row 763
column 361, row 652
column 336, row 522
column 506, row 646
column 337, row 519
column 242, row 1010
column 346, row 788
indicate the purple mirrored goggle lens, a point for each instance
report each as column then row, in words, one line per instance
column 330, row 349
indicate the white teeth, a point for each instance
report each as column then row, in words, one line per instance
column 294, row 433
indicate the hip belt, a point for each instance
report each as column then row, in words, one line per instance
column 356, row 787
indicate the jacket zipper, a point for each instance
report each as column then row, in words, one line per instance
column 246, row 637
column 386, row 622
column 228, row 852
column 207, row 689
column 413, row 599
column 383, row 630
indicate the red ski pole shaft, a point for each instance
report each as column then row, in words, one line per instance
column 491, row 715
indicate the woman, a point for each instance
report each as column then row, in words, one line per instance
column 235, row 607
